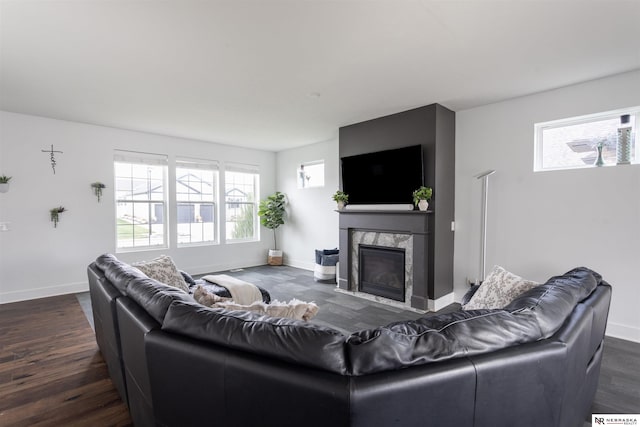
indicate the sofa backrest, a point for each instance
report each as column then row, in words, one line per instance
column 552, row 302
column 286, row 339
column 536, row 314
column 153, row 296
column 117, row 272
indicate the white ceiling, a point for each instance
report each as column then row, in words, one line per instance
column 276, row 74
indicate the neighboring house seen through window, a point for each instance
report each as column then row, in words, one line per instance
column 197, row 201
column 141, row 208
column 573, row 143
column 240, row 192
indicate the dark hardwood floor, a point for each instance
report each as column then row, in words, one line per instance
column 51, row 373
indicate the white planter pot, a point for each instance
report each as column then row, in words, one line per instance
column 275, row 257
column 4, row 187
column 423, row 205
column 340, row 205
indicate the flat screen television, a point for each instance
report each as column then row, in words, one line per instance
column 383, row 177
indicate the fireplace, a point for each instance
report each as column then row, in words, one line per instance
column 382, row 271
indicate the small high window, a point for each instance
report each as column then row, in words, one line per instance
column 575, row 142
column 311, row 174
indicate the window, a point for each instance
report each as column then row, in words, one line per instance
column 311, row 174
column 141, row 210
column 240, row 191
column 573, row 143
column 196, row 200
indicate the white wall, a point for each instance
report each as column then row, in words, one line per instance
column 543, row 224
column 311, row 220
column 39, row 260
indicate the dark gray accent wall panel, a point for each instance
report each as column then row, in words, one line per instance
column 444, row 208
column 433, row 127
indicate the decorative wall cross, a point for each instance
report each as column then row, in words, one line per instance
column 53, row 157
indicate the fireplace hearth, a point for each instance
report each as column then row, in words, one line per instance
column 382, row 271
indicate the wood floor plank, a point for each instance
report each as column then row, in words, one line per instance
column 51, row 371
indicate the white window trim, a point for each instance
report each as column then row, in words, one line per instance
column 243, row 168
column 203, row 164
column 540, row 127
column 311, row 163
column 134, row 157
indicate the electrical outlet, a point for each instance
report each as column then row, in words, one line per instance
column 4, row 226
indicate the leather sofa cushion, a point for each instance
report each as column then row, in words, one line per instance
column 118, row 272
column 552, row 302
column 155, row 297
column 437, row 338
column 286, row 339
column 536, row 314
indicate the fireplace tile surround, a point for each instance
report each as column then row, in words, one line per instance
column 401, row 229
column 383, row 240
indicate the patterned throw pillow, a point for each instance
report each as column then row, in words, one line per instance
column 498, row 290
column 163, row 270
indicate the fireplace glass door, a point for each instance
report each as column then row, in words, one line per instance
column 381, row 271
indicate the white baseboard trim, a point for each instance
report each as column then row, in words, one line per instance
column 304, row 265
column 48, row 291
column 214, row 268
column 442, row 302
column 624, row 332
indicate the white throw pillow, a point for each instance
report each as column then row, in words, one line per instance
column 163, row 270
column 498, row 290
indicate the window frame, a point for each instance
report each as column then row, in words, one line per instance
column 141, row 159
column 539, row 129
column 199, row 164
column 299, row 185
column 246, row 169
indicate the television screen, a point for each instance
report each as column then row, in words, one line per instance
column 383, row 177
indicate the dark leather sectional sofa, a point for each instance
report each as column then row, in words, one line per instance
column 176, row 363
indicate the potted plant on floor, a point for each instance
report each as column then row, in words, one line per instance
column 271, row 212
column 4, row 183
column 341, row 198
column 421, row 197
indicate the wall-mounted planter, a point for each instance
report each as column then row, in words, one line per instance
column 55, row 215
column 4, row 183
column 97, row 189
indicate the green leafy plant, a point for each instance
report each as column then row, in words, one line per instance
column 340, row 196
column 422, row 193
column 243, row 228
column 4, row 179
column 55, row 214
column 271, row 212
column 97, row 189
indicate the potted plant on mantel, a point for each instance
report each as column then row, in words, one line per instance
column 271, row 212
column 4, row 183
column 421, row 197
column 341, row 198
